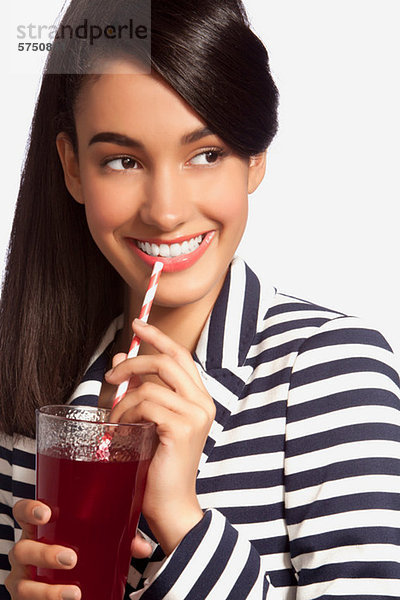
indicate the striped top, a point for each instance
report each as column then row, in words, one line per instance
column 299, row 478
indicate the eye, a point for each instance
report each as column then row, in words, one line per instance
column 209, row 157
column 122, row 163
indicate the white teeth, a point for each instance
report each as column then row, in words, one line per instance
column 164, row 250
column 175, row 250
column 185, row 248
column 168, row 251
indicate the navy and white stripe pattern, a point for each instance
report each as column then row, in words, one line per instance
column 300, row 475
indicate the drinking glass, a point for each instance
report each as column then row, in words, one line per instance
column 92, row 475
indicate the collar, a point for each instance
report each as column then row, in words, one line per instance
column 223, row 345
column 233, row 323
column 225, row 342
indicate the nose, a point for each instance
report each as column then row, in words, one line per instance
column 167, row 203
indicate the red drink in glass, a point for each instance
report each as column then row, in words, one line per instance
column 95, row 508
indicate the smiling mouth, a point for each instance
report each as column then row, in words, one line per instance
column 171, row 250
column 181, row 253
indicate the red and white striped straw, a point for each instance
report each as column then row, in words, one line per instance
column 144, row 315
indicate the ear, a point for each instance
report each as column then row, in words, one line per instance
column 257, row 164
column 70, row 165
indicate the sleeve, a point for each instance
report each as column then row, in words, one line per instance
column 6, row 518
column 342, row 465
column 17, row 480
column 222, row 566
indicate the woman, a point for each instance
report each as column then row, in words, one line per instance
column 276, row 475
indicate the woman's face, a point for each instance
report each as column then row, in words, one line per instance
column 157, row 185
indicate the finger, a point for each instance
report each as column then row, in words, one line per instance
column 149, row 391
column 118, row 358
column 140, row 548
column 26, row 589
column 29, row 514
column 167, row 422
column 171, row 427
column 134, row 380
column 170, row 424
column 166, row 368
column 30, row 552
column 125, row 412
column 165, row 345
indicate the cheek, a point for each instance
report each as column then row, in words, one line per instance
column 106, row 210
column 102, row 215
column 230, row 207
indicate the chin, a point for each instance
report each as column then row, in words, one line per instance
column 184, row 293
column 184, row 298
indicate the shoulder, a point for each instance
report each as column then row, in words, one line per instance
column 17, row 468
column 6, row 451
column 311, row 326
column 18, row 450
column 344, row 344
column 337, row 362
column 287, row 313
column 317, row 343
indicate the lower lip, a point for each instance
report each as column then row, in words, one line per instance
column 176, row 263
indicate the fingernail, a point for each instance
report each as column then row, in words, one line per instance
column 70, row 594
column 109, row 373
column 40, row 513
column 139, row 322
column 66, row 558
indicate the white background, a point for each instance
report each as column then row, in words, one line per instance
column 324, row 223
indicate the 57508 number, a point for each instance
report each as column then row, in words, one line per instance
column 34, row 46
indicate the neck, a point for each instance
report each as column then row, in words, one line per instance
column 183, row 324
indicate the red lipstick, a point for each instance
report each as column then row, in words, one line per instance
column 174, row 263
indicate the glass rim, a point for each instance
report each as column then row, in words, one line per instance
column 42, row 411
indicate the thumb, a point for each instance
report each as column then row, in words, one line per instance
column 140, row 548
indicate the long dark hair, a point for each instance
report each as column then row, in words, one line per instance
column 59, row 292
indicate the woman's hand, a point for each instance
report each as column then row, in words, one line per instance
column 28, row 554
column 183, row 411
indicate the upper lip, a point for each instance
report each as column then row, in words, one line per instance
column 177, row 240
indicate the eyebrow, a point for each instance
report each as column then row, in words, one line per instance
column 196, row 135
column 124, row 140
